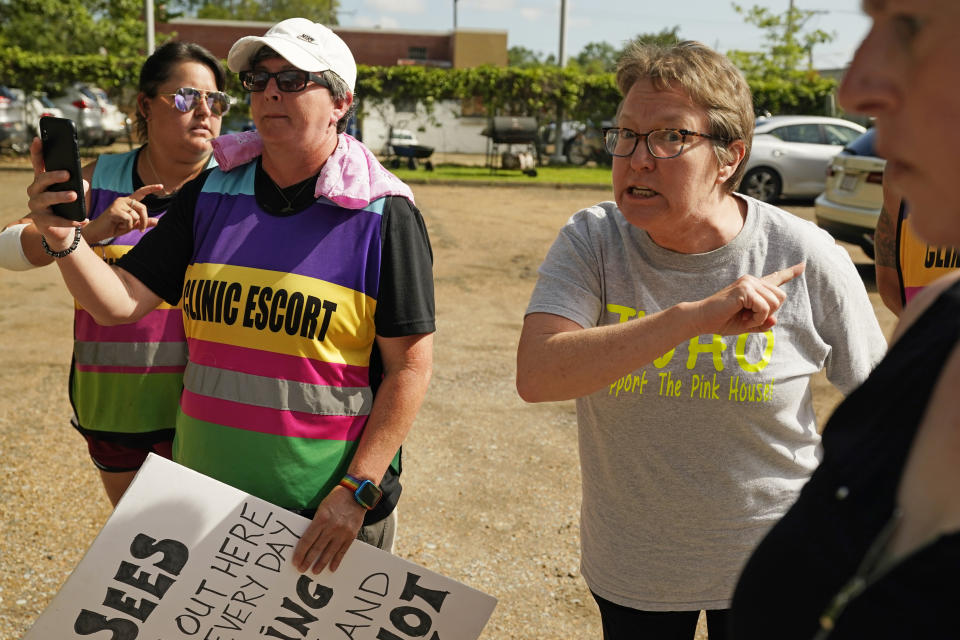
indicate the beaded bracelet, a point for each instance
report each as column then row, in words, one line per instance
column 65, row 252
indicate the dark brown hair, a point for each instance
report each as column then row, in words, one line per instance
column 160, row 65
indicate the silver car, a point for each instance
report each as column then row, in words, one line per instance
column 790, row 155
column 13, row 125
column 32, row 107
column 80, row 105
column 39, row 105
column 114, row 121
column 850, row 205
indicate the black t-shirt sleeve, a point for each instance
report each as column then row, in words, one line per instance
column 405, row 304
column 161, row 258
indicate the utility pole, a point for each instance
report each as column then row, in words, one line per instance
column 148, row 18
column 454, row 15
column 790, row 24
column 563, row 34
column 558, row 156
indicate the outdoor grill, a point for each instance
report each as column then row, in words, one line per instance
column 510, row 130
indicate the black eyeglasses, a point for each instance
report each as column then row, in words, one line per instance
column 662, row 143
column 187, row 98
column 288, row 80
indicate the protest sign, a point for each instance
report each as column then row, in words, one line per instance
column 185, row 557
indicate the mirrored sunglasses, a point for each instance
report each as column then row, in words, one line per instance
column 288, row 80
column 187, row 98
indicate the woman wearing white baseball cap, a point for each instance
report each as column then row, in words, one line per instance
column 305, row 275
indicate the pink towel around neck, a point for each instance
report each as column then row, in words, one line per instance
column 352, row 177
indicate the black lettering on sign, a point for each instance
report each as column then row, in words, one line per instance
column 88, row 623
column 175, row 554
column 316, row 597
column 410, row 620
column 125, row 574
column 174, row 558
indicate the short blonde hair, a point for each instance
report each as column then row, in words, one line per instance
column 711, row 81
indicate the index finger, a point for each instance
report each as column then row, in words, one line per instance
column 777, row 278
column 145, row 191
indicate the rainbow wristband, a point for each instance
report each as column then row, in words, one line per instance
column 365, row 492
column 350, row 482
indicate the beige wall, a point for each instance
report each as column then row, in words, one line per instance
column 474, row 48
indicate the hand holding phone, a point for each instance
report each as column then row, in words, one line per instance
column 61, row 152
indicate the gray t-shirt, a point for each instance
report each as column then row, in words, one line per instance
column 688, row 461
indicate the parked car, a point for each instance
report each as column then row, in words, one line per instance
column 403, row 144
column 115, row 122
column 80, row 104
column 790, row 155
column 582, row 142
column 39, row 105
column 31, row 108
column 13, row 128
column 400, row 138
column 850, row 205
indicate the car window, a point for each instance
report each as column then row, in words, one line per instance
column 101, row 96
column 840, row 135
column 809, row 133
column 862, row 146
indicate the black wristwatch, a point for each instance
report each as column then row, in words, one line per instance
column 365, row 492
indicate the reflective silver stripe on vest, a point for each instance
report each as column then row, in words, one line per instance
column 282, row 395
column 131, row 354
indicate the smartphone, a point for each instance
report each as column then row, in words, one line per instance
column 61, row 152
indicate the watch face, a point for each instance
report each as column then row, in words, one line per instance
column 368, row 494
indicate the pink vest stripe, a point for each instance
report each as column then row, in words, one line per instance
column 910, row 292
column 276, row 365
column 161, row 325
column 292, row 424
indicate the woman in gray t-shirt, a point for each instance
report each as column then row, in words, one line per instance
column 687, row 321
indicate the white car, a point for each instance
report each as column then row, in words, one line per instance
column 790, row 155
column 39, row 105
column 850, row 205
column 114, row 121
column 13, row 127
column 35, row 106
column 400, row 138
column 20, row 115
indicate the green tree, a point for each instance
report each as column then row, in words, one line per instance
column 524, row 58
column 789, row 45
column 597, row 57
column 781, row 76
column 665, row 37
column 602, row 57
column 73, row 27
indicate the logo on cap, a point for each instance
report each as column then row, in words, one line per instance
column 304, row 36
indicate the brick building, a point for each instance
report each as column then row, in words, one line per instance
column 458, row 49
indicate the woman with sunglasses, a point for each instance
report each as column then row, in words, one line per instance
column 125, row 380
column 687, row 321
column 305, row 278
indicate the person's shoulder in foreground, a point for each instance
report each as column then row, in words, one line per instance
column 871, row 547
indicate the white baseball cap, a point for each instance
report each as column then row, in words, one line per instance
column 305, row 44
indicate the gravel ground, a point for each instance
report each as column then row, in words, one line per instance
column 491, row 485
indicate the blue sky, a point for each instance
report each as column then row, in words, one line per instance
column 535, row 24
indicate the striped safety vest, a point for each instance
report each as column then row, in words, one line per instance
column 279, row 318
column 125, row 379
